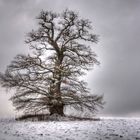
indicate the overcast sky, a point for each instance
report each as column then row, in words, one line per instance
column 118, row 24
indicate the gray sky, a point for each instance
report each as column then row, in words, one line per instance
column 118, row 24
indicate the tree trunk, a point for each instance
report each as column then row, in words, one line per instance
column 57, row 109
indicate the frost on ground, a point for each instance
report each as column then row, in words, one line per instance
column 106, row 129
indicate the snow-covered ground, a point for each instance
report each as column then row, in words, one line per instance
column 106, row 129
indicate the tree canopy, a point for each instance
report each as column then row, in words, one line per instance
column 48, row 77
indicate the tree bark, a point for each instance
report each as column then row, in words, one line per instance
column 57, row 109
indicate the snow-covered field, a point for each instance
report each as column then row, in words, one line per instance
column 106, row 129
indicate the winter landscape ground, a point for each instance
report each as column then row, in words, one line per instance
column 105, row 129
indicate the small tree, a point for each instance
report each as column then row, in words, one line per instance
column 47, row 78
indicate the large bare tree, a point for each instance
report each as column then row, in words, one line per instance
column 48, row 77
